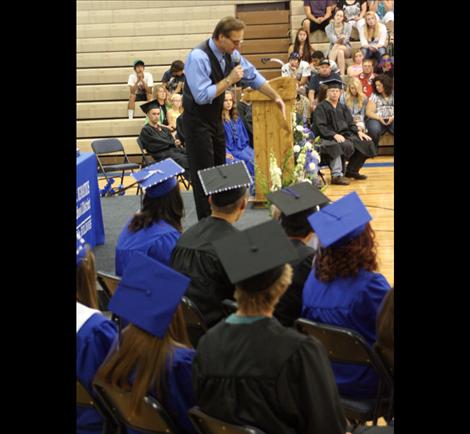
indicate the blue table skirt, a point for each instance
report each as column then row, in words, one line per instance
column 89, row 214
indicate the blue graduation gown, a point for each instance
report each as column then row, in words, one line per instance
column 95, row 336
column 157, row 241
column 352, row 303
column 179, row 396
column 238, row 143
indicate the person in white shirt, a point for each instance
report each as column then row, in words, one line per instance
column 297, row 68
column 140, row 86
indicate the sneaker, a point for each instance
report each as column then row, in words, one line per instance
column 340, row 180
column 355, row 175
column 130, row 114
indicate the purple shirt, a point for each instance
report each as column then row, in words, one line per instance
column 318, row 7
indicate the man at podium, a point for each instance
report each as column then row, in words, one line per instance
column 210, row 69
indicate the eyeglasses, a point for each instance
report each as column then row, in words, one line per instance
column 239, row 42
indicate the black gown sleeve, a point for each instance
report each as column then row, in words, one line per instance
column 306, row 388
column 321, row 125
column 154, row 142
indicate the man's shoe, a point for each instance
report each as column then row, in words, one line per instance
column 340, row 180
column 355, row 175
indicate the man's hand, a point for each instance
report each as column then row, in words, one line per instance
column 363, row 136
column 236, row 74
column 339, row 138
column 280, row 103
column 178, row 143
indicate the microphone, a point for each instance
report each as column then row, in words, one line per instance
column 236, row 58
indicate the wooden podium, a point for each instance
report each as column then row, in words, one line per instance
column 270, row 131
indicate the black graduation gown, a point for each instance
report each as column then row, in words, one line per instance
column 329, row 121
column 290, row 305
column 268, row 376
column 160, row 144
column 195, row 257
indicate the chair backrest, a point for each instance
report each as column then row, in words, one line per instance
column 192, row 315
column 152, row 417
column 206, row 424
column 146, row 160
column 107, row 146
column 109, row 282
column 229, row 306
column 84, row 399
column 345, row 346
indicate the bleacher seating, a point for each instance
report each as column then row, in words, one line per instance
column 111, row 34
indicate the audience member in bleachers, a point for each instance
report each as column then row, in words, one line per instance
column 343, row 288
column 356, row 67
column 249, row 369
column 194, row 254
column 317, row 57
column 354, row 11
column 385, row 13
column 356, row 102
column 245, row 111
column 333, row 122
column 318, row 14
column 339, row 32
column 173, row 79
column 161, row 98
column 385, row 66
column 373, row 38
column 140, row 86
column 155, row 229
column 158, row 141
column 380, row 108
column 298, row 69
column 154, row 355
column 175, row 111
column 385, row 344
column 295, row 204
column 95, row 336
column 237, row 141
column 324, row 74
column 302, row 45
column 211, row 68
column 366, row 76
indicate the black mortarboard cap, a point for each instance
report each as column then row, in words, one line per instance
column 333, row 83
column 297, row 198
column 254, row 251
column 149, row 106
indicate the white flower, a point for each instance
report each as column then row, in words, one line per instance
column 311, row 166
column 296, row 149
column 299, row 128
column 301, row 158
column 308, row 180
column 308, row 145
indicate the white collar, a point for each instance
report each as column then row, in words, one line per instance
column 83, row 314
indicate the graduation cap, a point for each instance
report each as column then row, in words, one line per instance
column 158, row 178
column 333, row 83
column 230, row 180
column 254, row 258
column 150, row 105
column 138, row 62
column 81, row 249
column 297, row 198
column 148, row 294
column 342, row 220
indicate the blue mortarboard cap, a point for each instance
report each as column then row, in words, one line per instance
column 342, row 220
column 159, row 178
column 148, row 294
column 81, row 249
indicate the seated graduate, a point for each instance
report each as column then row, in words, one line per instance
column 343, row 288
column 296, row 203
column 236, row 137
column 154, row 355
column 194, row 255
column 156, row 228
column 157, row 140
column 95, row 336
column 340, row 136
column 249, row 369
